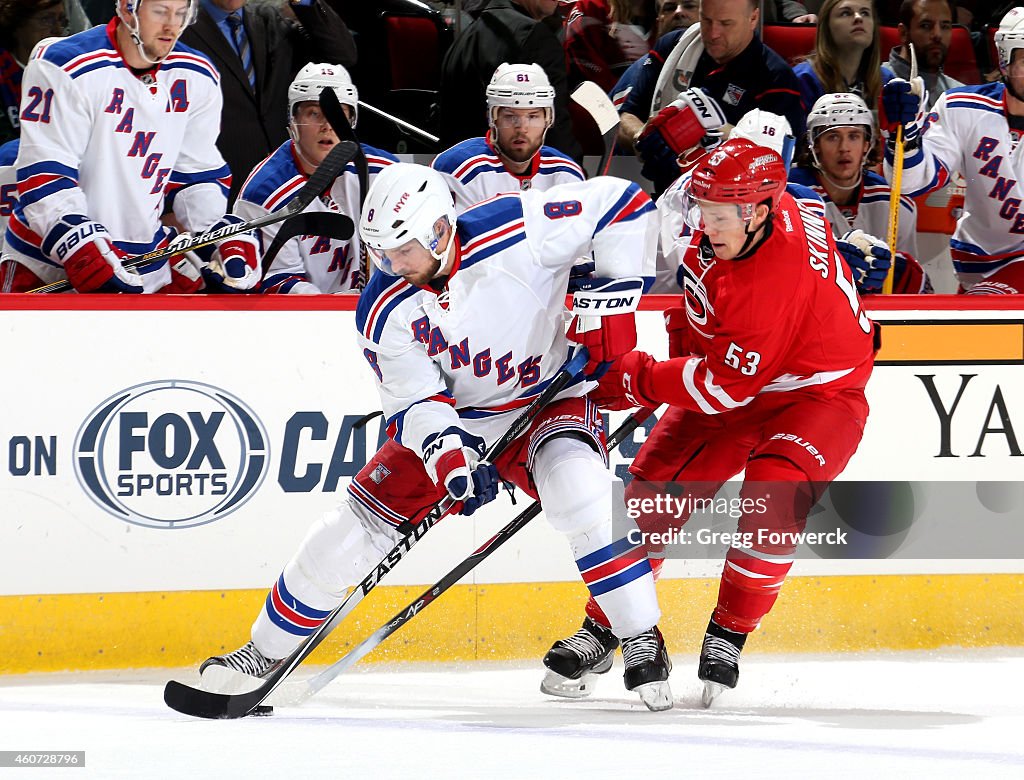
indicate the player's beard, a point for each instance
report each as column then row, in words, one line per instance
column 1013, row 90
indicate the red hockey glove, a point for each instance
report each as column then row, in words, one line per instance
column 609, row 394
column 91, row 261
column 635, row 368
column 606, row 338
column 186, row 269
column 233, row 265
column 452, row 460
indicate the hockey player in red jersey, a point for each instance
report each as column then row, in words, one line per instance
column 767, row 376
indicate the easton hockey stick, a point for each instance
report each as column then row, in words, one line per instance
column 209, row 704
column 317, row 683
column 329, row 224
column 595, row 102
column 321, row 179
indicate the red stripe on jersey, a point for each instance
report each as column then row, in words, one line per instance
column 290, row 614
column 490, row 238
column 472, row 162
column 636, row 203
column 390, row 293
column 283, row 192
column 614, row 566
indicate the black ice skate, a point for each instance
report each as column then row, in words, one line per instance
column 647, row 667
column 574, row 663
column 719, row 666
column 234, row 672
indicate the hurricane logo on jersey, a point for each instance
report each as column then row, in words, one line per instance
column 171, row 454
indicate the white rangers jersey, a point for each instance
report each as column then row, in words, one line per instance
column 968, row 132
column 8, row 184
column 98, row 141
column 308, row 264
column 871, row 211
column 475, row 172
column 481, row 350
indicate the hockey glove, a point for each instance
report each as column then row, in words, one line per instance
column 635, row 369
column 233, row 265
column 609, row 394
column 868, row 258
column 581, row 274
column 909, row 276
column 676, row 129
column 603, row 320
column 186, row 269
column 452, row 460
column 90, row 259
column 901, row 103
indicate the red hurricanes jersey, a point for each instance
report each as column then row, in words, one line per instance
column 784, row 319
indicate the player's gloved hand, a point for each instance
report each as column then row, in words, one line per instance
column 609, row 394
column 233, row 265
column 868, row 258
column 611, row 335
column 90, row 259
column 186, row 268
column 909, row 276
column 901, row 102
column 677, row 128
column 677, row 327
column 452, row 460
column 635, row 368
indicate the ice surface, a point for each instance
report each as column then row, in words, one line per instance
column 907, row 715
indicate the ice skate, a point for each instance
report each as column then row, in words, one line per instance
column 234, row 672
column 574, row 663
column 719, row 666
column 647, row 667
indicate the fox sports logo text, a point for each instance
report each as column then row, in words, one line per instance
column 171, row 454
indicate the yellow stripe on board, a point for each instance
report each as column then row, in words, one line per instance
column 966, row 342
column 510, row 621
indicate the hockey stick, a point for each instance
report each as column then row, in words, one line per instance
column 328, row 224
column 321, row 179
column 317, row 683
column 209, row 704
column 894, row 192
column 595, row 102
column 400, row 122
column 331, row 107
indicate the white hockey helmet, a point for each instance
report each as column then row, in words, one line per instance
column 838, row 109
column 404, row 203
column 520, row 85
column 128, row 12
column 767, row 129
column 1009, row 36
column 314, row 78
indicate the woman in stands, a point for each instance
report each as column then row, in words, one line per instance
column 847, row 54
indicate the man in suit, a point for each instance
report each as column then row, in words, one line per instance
column 258, row 52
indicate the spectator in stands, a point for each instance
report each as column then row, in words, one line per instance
column 834, row 161
column 602, row 38
column 505, row 31
column 847, row 54
column 258, row 52
column 676, row 15
column 928, row 25
column 787, row 11
column 726, row 60
column 23, row 23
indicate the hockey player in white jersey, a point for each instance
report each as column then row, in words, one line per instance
column 834, row 164
column 311, row 264
column 974, row 131
column 462, row 326
column 115, row 122
column 512, row 156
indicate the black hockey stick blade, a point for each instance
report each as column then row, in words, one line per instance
column 207, row 704
column 314, row 684
column 328, row 224
column 595, row 102
column 322, row 178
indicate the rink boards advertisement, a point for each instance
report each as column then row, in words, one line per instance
column 162, row 461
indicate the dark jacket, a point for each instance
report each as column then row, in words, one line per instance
column 503, row 32
column 254, row 125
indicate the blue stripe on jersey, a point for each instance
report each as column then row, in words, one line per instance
column 280, row 284
column 981, row 261
column 450, row 159
column 373, row 151
column 29, row 250
column 489, row 250
column 973, row 104
column 97, row 64
column 489, row 216
column 188, row 65
column 398, row 420
column 37, row 194
column 481, row 167
column 47, row 166
column 9, row 152
column 213, row 176
column 546, row 170
column 270, row 175
column 62, row 51
column 631, row 192
column 380, row 283
column 303, row 609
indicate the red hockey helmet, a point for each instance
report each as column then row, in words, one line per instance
column 742, row 173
